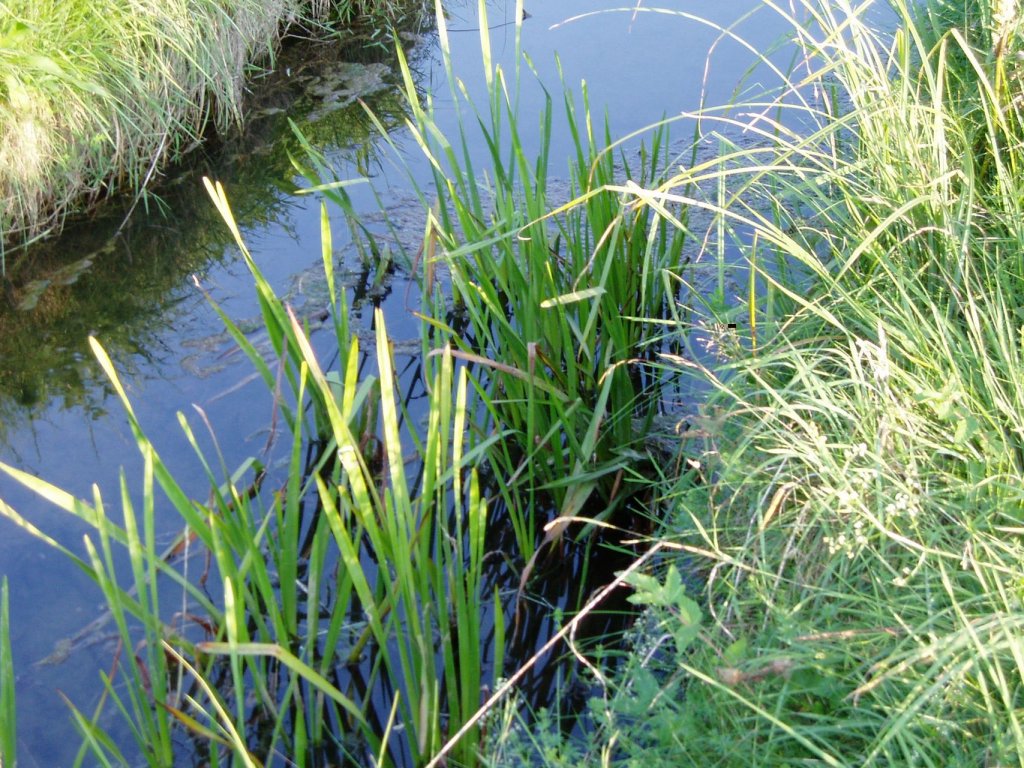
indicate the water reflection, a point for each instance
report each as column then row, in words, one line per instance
column 125, row 281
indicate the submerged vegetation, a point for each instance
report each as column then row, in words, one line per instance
column 97, row 96
column 837, row 565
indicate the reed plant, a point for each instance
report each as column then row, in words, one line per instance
column 846, row 583
column 423, row 607
column 545, row 293
column 854, row 540
column 342, row 613
column 8, row 714
column 338, row 616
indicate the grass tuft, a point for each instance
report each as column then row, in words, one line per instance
column 348, row 596
column 98, row 96
column 547, row 294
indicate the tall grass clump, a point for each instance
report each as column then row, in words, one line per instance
column 97, row 96
column 856, row 537
column 340, row 614
column 545, row 290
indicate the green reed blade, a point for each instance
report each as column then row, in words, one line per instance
column 8, row 711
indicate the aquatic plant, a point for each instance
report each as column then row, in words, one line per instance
column 547, row 294
column 8, row 713
column 339, row 616
column 424, row 534
column 342, row 613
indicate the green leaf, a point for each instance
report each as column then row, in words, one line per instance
column 7, row 708
column 647, row 589
column 735, row 652
column 296, row 665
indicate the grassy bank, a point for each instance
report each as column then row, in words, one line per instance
column 97, row 96
column 857, row 530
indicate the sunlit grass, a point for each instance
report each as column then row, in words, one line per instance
column 847, row 591
column 340, row 615
column 97, row 96
column 855, row 537
column 546, row 296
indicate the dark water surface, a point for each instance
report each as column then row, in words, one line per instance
column 135, row 290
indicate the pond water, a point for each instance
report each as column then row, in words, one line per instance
column 129, row 277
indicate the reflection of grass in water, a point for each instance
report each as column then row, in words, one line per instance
column 133, row 276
